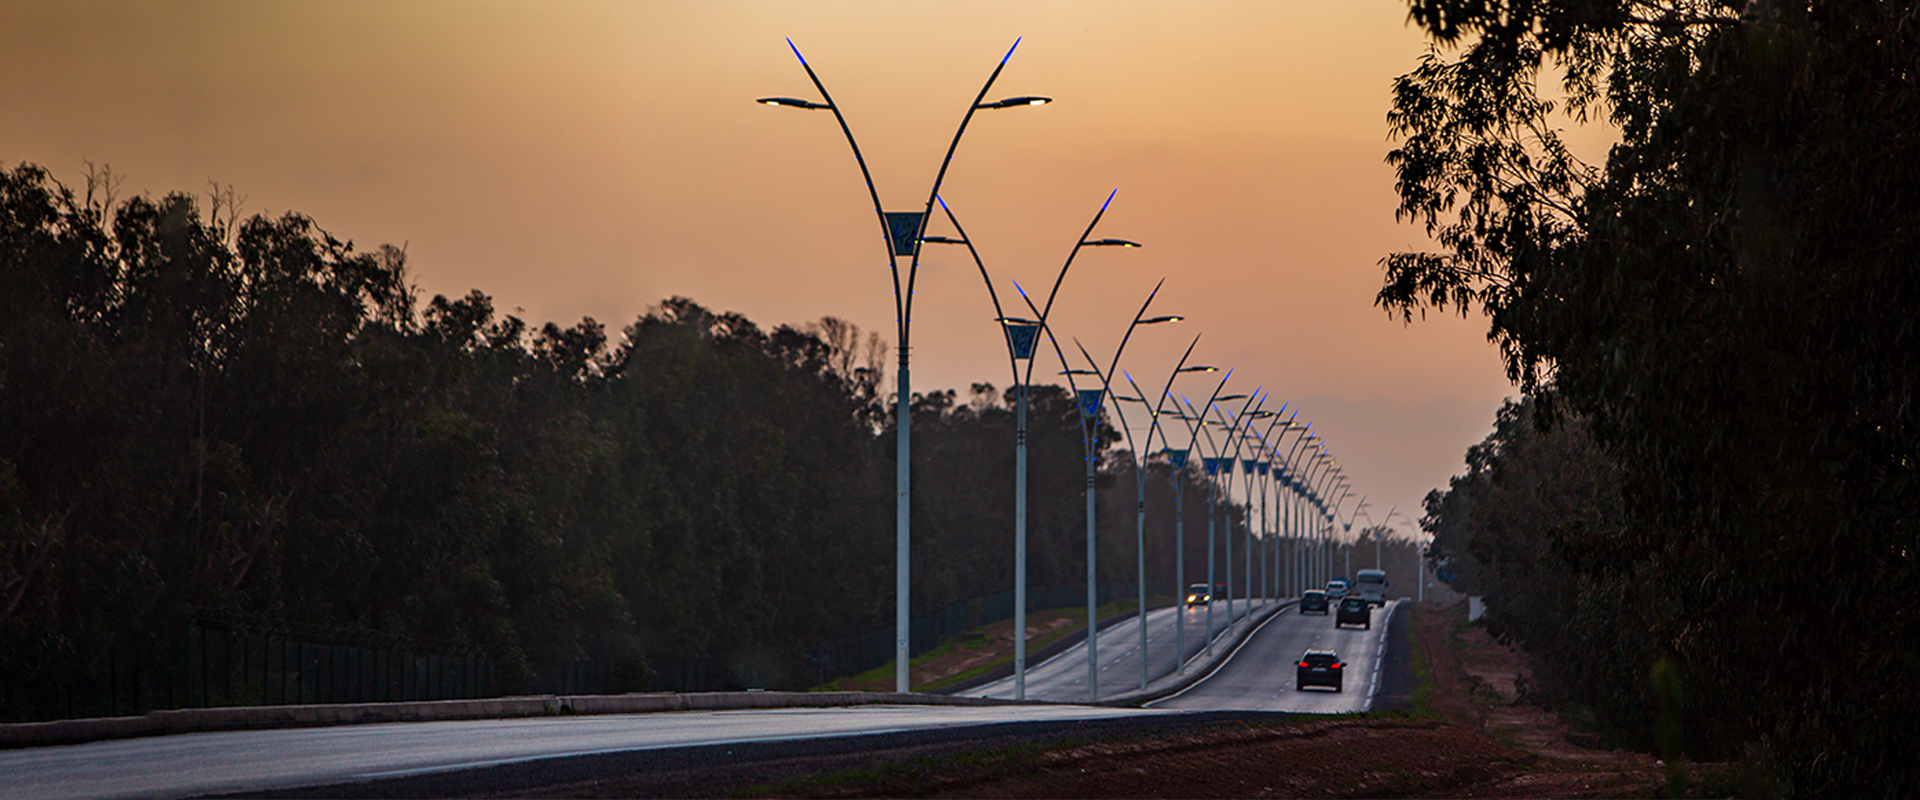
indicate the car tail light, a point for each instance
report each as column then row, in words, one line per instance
column 1303, row 663
column 1340, row 665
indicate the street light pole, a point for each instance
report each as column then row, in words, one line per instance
column 1140, row 492
column 1177, row 463
column 1237, row 433
column 1022, row 335
column 1212, row 469
column 901, row 231
column 1269, row 588
column 1139, row 472
column 1089, row 403
column 1290, row 479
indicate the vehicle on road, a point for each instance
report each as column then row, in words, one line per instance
column 1199, row 595
column 1313, row 601
column 1354, row 611
column 1371, row 585
column 1336, row 589
column 1319, row 668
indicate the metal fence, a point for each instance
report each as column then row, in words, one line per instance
column 210, row 667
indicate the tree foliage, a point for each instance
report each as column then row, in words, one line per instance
column 249, row 422
column 1728, row 302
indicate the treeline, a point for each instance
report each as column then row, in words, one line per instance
column 1722, row 317
column 249, row 423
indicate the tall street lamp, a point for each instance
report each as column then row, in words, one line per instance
column 1251, row 464
column 1139, row 496
column 1021, row 336
column 1177, row 472
column 1090, row 404
column 1290, row 479
column 1140, row 506
column 1263, row 464
column 1197, row 420
column 901, row 231
column 1236, row 428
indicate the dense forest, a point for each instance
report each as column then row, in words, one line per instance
column 1721, row 320
column 209, row 420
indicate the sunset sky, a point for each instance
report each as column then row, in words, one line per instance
column 577, row 159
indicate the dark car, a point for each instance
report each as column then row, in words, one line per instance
column 1199, row 595
column 1354, row 611
column 1313, row 600
column 1320, row 668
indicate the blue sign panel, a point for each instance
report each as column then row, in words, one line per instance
column 903, row 228
column 1213, row 465
column 1090, row 401
column 1176, row 459
column 1022, row 337
column 1247, row 465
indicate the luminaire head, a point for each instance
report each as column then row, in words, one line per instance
column 1110, row 243
column 1016, row 102
column 790, row 102
column 1158, row 320
column 1199, row 369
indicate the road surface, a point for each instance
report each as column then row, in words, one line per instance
column 1257, row 677
column 1063, row 678
column 1260, row 676
column 192, row 764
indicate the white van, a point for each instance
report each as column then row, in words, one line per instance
column 1371, row 585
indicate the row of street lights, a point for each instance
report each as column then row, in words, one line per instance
column 1308, row 484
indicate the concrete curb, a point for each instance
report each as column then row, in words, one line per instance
column 193, row 720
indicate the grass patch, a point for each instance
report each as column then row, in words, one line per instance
column 1422, row 699
column 971, row 639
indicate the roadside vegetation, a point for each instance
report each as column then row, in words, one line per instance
column 1699, row 520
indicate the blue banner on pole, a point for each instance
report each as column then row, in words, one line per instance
column 1022, row 337
column 1213, row 465
column 1261, row 468
column 1176, row 459
column 1090, row 402
column 903, row 230
column 1247, row 465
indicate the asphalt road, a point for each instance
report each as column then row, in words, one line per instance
column 1063, row 678
column 193, row 764
column 1260, row 676
column 437, row 758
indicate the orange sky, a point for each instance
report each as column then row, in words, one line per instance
column 592, row 158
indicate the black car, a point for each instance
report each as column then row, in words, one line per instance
column 1320, row 668
column 1354, row 611
column 1313, row 600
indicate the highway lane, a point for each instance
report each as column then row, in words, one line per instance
column 255, row 761
column 1063, row 678
column 1260, row 676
